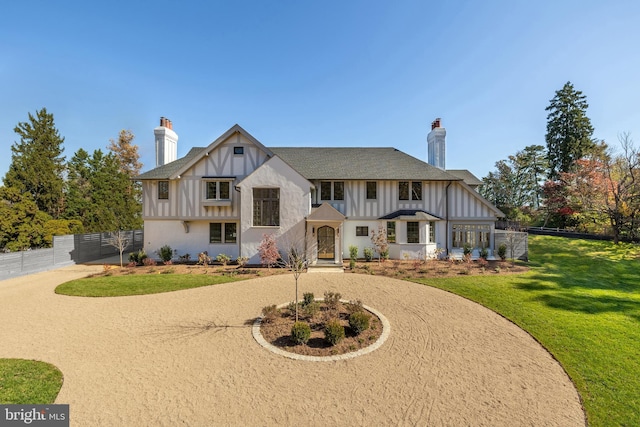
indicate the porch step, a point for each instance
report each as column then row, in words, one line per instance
column 325, row 268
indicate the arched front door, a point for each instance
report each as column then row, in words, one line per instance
column 326, row 242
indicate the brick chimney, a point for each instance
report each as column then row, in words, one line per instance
column 436, row 146
column 166, row 142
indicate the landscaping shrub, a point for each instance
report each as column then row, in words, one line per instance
column 149, row 261
column 204, row 258
column 242, row 261
column 269, row 313
column 353, row 256
column 165, row 253
column 140, row 256
column 223, row 259
column 359, row 322
column 354, row 306
column 484, row 253
column 334, row 332
column 502, row 251
column 368, row 254
column 353, row 252
column 301, row 332
column 307, row 298
column 467, row 249
column 332, row 299
column 311, row 309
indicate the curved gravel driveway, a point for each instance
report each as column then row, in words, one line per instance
column 188, row 358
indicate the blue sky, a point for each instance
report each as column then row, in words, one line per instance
column 330, row 73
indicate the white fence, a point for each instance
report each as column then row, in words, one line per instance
column 67, row 250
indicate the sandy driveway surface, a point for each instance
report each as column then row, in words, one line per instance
column 158, row 360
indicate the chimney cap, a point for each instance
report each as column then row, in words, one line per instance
column 435, row 123
column 164, row 122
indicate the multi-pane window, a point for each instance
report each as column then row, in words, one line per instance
column 372, row 188
column 391, row 231
column 362, row 231
column 432, row 232
column 222, row 232
column 163, row 190
column 474, row 235
column 218, row 190
column 410, row 190
column 403, row 190
column 325, row 190
column 416, row 190
column 326, row 187
column 338, row 190
column 413, row 232
column 266, row 207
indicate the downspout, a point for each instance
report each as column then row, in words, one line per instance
column 239, row 228
column 447, row 215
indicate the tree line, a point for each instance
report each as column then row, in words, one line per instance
column 574, row 181
column 44, row 194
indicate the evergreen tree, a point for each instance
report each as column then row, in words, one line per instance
column 515, row 186
column 37, row 164
column 22, row 224
column 569, row 130
column 99, row 193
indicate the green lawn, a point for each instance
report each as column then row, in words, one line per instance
column 581, row 300
column 138, row 284
column 28, row 382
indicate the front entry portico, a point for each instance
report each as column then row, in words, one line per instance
column 324, row 226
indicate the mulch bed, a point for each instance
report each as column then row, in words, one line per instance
column 278, row 331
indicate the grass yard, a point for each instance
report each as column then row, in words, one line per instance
column 581, row 300
column 28, row 382
column 138, row 284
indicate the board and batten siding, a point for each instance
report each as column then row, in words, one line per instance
column 187, row 194
column 463, row 203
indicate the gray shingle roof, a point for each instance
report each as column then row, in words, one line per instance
column 411, row 213
column 466, row 176
column 165, row 171
column 359, row 163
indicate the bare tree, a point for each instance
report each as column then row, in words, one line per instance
column 295, row 260
column 514, row 239
column 119, row 240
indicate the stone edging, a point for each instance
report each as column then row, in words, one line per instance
column 386, row 330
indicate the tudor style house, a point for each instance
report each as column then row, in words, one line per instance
column 224, row 197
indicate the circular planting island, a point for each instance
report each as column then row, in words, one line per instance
column 274, row 330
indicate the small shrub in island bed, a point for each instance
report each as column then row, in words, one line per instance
column 334, row 331
column 307, row 298
column 269, row 313
column 300, row 332
column 332, row 299
column 359, row 322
